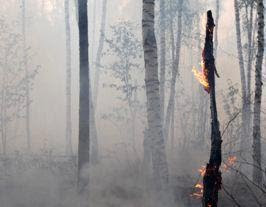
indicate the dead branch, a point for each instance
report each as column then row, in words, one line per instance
column 231, row 196
column 230, row 121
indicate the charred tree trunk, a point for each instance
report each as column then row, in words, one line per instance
column 257, row 173
column 212, row 178
column 84, row 104
column 25, row 65
column 175, row 68
column 162, row 56
column 69, row 150
column 159, row 161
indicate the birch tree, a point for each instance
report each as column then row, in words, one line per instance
column 257, row 173
column 159, row 162
column 170, row 106
column 242, row 71
column 249, row 21
column 162, row 55
column 99, row 53
column 68, row 135
column 248, row 17
column 93, row 102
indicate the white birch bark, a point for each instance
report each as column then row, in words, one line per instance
column 68, row 132
column 159, row 162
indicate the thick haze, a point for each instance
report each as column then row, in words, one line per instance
column 131, row 155
column 46, row 37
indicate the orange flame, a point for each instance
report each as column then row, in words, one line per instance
column 201, row 76
column 202, row 170
column 230, row 162
column 199, row 192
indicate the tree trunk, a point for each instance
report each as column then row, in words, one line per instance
column 94, row 155
column 257, row 173
column 242, row 76
column 212, row 178
column 162, row 56
column 25, row 64
column 147, row 155
column 94, row 134
column 172, row 38
column 249, row 68
column 172, row 134
column 99, row 54
column 174, row 72
column 69, row 150
column 84, row 104
column 93, row 29
column 249, row 65
column 160, row 167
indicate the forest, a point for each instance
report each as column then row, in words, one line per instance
column 132, row 103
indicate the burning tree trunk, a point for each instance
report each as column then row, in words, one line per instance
column 212, row 178
column 257, row 173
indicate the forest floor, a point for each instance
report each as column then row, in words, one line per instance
column 51, row 182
